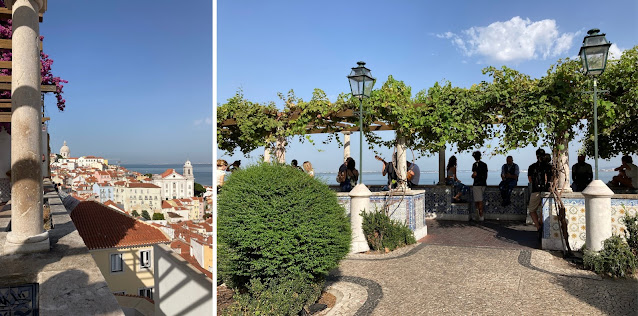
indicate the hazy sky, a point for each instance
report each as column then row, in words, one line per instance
column 140, row 78
column 265, row 47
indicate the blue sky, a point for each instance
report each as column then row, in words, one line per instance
column 265, row 47
column 140, row 78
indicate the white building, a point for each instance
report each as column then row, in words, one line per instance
column 175, row 185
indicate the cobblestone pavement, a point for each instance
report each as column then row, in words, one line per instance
column 506, row 277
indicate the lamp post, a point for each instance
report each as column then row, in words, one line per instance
column 361, row 83
column 594, row 54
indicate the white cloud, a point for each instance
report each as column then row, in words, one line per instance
column 207, row 121
column 615, row 52
column 514, row 40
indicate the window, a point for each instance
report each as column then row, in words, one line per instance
column 116, row 262
column 148, row 292
column 145, row 259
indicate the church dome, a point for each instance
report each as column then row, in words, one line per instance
column 188, row 163
column 64, row 151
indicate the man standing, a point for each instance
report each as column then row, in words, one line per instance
column 539, row 175
column 509, row 177
column 479, row 174
column 581, row 174
column 390, row 170
column 414, row 174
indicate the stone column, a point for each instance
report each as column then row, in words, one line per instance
column 266, row 154
column 562, row 163
column 280, row 150
column 597, row 214
column 359, row 201
column 442, row 166
column 27, row 233
column 346, row 144
column 402, row 167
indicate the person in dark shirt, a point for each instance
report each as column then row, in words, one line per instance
column 539, row 175
column 509, row 177
column 581, row 174
column 479, row 174
column 390, row 170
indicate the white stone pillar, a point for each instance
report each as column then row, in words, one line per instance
column 442, row 166
column 597, row 214
column 280, row 150
column 359, row 201
column 27, row 232
column 346, row 144
column 266, row 154
column 402, row 167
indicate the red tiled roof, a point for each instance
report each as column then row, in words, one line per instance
column 143, row 185
column 165, row 204
column 168, row 172
column 103, row 227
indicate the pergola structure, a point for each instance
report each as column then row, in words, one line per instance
column 344, row 121
column 5, row 81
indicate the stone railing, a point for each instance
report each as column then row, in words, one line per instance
column 621, row 204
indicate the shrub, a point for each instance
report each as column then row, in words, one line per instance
column 274, row 221
column 614, row 259
column 631, row 232
column 146, row 215
column 135, row 214
column 158, row 216
column 382, row 232
column 278, row 296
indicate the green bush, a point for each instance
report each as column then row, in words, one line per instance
column 274, row 221
column 382, row 232
column 146, row 215
column 278, row 296
column 158, row 216
column 631, row 232
column 614, row 259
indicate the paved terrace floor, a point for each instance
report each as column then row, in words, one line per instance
column 485, row 268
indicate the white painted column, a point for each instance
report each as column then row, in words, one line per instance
column 266, row 154
column 359, row 201
column 346, row 144
column 597, row 214
column 280, row 150
column 442, row 166
column 402, row 167
column 27, row 233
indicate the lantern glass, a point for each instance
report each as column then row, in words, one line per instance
column 361, row 81
column 594, row 53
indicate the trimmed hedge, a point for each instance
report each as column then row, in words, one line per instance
column 275, row 221
column 382, row 232
column 280, row 296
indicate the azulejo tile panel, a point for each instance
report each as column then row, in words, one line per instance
column 5, row 189
column 576, row 218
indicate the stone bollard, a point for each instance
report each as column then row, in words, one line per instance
column 597, row 214
column 359, row 201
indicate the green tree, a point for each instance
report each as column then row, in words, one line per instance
column 148, row 175
column 199, row 189
column 618, row 109
column 158, row 216
column 135, row 214
column 146, row 215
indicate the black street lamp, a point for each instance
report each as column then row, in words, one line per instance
column 594, row 54
column 361, row 83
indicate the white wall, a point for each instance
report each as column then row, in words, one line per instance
column 180, row 289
